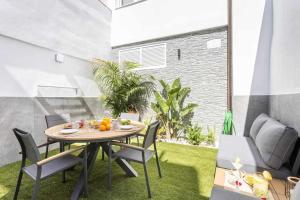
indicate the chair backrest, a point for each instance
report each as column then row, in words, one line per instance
column 130, row 116
column 53, row 120
column 151, row 134
column 28, row 146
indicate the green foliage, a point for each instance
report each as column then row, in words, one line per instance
column 194, row 135
column 187, row 176
column 228, row 123
column 175, row 115
column 123, row 89
column 211, row 135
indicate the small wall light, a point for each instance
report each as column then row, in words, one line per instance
column 178, row 54
column 59, row 58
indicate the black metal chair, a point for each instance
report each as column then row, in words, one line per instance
column 43, row 168
column 53, row 120
column 138, row 154
column 133, row 117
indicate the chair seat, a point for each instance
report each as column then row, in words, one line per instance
column 52, row 167
column 134, row 155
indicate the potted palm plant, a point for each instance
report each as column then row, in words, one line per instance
column 123, row 90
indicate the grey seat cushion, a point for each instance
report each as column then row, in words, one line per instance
column 295, row 194
column 219, row 193
column 244, row 147
column 257, row 124
column 53, row 166
column 275, row 143
column 134, row 155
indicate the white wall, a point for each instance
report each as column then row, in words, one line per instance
column 285, row 59
column 79, row 28
column 252, row 36
column 33, row 31
column 24, row 66
column 156, row 18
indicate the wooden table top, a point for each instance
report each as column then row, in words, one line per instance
column 276, row 188
column 87, row 134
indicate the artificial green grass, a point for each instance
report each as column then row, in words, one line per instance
column 188, row 173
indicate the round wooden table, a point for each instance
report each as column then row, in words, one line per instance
column 92, row 135
column 95, row 139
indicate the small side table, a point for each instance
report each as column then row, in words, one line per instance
column 290, row 184
column 276, row 188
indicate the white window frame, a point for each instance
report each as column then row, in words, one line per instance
column 140, row 49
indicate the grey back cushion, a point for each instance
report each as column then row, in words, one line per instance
column 275, row 143
column 257, row 124
column 295, row 194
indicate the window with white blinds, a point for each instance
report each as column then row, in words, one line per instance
column 148, row 57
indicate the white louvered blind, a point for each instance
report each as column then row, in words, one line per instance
column 132, row 55
column 147, row 56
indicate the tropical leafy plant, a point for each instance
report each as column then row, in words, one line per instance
column 194, row 135
column 123, row 89
column 175, row 115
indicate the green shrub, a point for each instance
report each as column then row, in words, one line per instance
column 171, row 109
column 194, row 135
column 211, row 135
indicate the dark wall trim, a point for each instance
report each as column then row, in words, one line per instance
column 229, row 56
column 204, row 31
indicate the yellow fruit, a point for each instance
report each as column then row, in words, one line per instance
column 267, row 175
column 249, row 179
column 108, row 127
column 258, row 180
column 106, row 119
column 102, row 128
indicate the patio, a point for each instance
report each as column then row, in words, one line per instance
column 207, row 91
column 188, row 173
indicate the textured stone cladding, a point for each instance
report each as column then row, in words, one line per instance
column 28, row 114
column 202, row 69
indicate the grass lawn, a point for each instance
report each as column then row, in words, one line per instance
column 188, row 173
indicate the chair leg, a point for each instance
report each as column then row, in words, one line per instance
column 18, row 185
column 146, row 176
column 138, row 140
column 62, row 149
column 103, row 155
column 109, row 168
column 37, row 184
column 158, row 165
column 85, row 173
column 47, row 150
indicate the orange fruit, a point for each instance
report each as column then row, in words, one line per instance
column 103, row 123
column 108, row 127
column 102, row 128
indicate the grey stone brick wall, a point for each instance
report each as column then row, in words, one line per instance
column 202, row 69
column 28, row 114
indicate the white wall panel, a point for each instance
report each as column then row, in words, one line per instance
column 79, row 28
column 159, row 18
